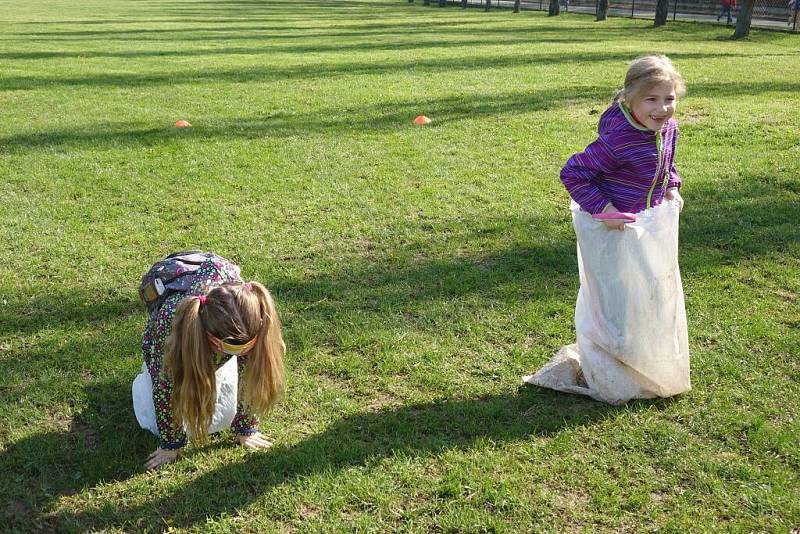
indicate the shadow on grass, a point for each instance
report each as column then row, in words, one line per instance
column 347, row 120
column 752, row 216
column 287, row 49
column 327, row 69
column 60, row 310
column 363, row 439
column 287, row 123
column 91, row 448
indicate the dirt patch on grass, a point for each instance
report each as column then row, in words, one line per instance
column 382, row 400
column 84, row 432
column 694, row 116
column 308, row 511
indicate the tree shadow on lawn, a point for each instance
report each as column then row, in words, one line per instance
column 357, row 29
column 287, row 123
column 752, row 215
column 96, row 446
column 382, row 116
column 324, row 70
column 65, row 309
column 443, row 27
column 274, row 49
column 419, row 430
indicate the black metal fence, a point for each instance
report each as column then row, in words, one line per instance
column 774, row 14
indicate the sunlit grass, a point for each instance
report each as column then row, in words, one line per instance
column 420, row 271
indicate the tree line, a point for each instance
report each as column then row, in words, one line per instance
column 743, row 19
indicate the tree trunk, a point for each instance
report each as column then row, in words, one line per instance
column 662, row 12
column 516, row 6
column 743, row 19
column 488, row 4
column 463, row 4
column 602, row 9
column 554, row 10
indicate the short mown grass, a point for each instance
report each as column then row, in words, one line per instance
column 420, row 271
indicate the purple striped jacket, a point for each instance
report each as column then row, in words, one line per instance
column 628, row 165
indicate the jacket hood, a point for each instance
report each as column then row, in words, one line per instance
column 617, row 118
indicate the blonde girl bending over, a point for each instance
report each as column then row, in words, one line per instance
column 213, row 354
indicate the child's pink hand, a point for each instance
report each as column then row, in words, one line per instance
column 255, row 441
column 613, row 224
column 161, row 457
column 673, row 194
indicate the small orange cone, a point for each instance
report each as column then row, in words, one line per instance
column 182, row 124
column 422, row 120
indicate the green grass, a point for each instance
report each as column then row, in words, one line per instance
column 420, row 272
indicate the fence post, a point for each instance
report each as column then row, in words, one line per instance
column 675, row 10
column 633, row 4
column 796, row 9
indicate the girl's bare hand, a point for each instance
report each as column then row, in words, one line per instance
column 673, row 194
column 613, row 224
column 255, row 441
column 160, row 457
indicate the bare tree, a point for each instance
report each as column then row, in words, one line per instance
column 743, row 19
column 662, row 12
column 554, row 10
column 602, row 9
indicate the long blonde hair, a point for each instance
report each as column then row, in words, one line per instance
column 647, row 71
column 235, row 312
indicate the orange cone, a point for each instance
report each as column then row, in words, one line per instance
column 422, row 120
column 182, row 124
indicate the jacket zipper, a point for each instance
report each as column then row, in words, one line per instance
column 658, row 170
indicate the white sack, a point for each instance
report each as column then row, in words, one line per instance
column 630, row 318
column 227, row 381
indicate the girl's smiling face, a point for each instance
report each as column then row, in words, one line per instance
column 655, row 106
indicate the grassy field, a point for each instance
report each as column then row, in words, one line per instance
column 420, row 272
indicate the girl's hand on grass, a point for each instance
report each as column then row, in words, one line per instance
column 673, row 194
column 254, row 441
column 613, row 224
column 160, row 457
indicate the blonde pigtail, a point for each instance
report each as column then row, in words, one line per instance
column 264, row 378
column 193, row 373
